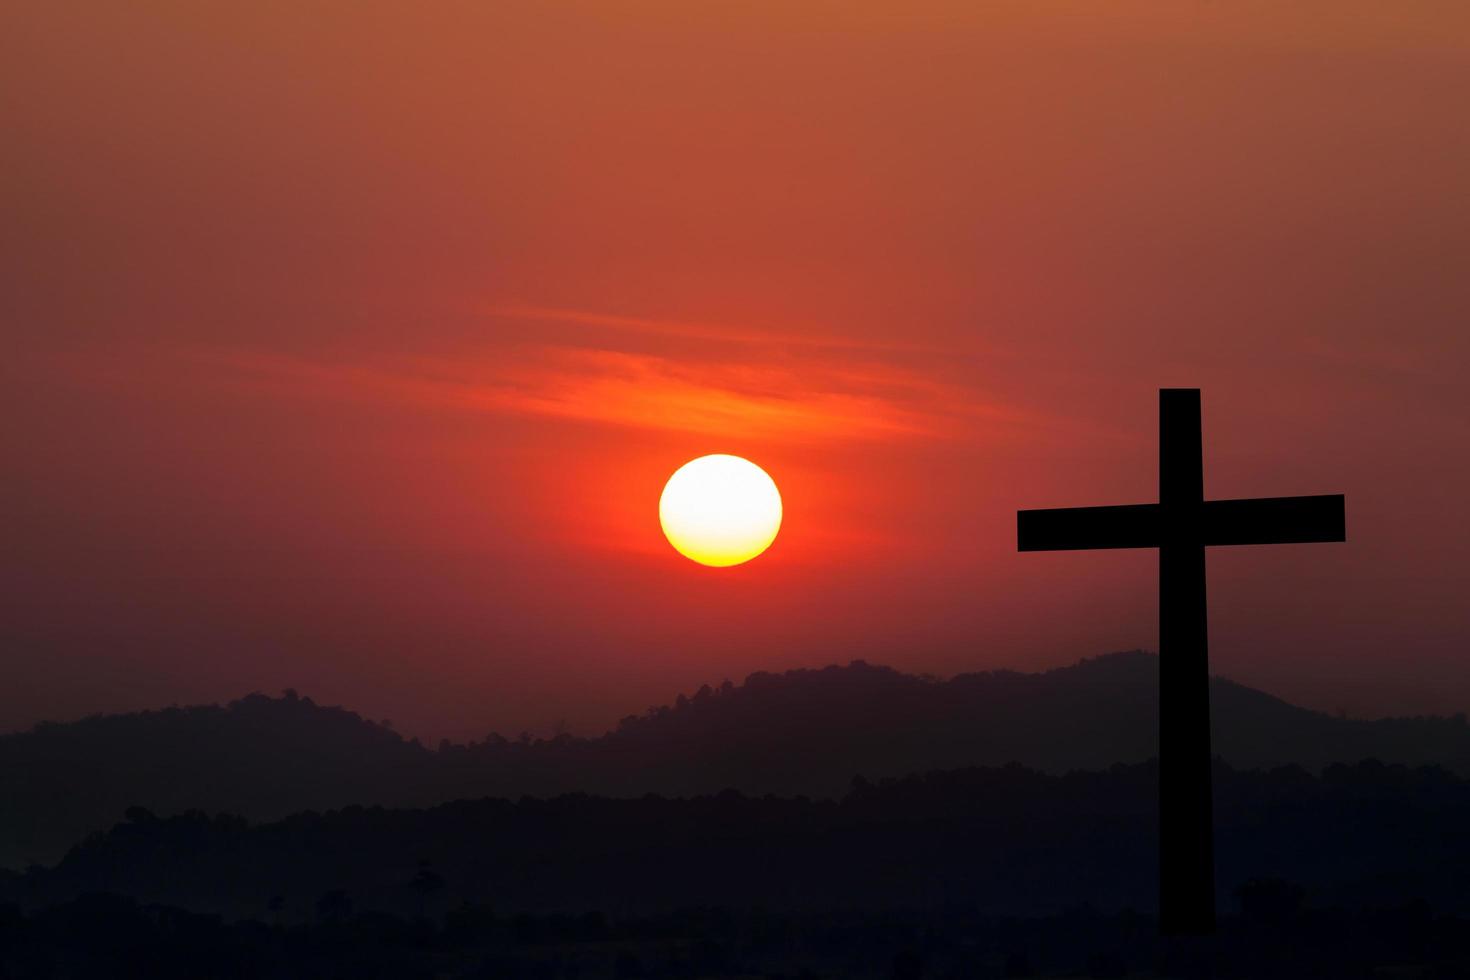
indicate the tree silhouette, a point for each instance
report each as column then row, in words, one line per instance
column 425, row 883
column 334, row 906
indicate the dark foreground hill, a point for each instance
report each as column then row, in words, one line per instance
column 802, row 732
column 1272, row 937
column 1003, row 841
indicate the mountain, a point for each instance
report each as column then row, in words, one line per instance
column 997, row 841
column 804, row 732
column 259, row 755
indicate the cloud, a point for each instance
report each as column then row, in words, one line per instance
column 804, row 399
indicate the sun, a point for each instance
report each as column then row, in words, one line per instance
column 720, row 510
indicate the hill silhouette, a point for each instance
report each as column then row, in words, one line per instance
column 804, row 732
column 998, row 841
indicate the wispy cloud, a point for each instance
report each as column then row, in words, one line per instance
column 801, row 400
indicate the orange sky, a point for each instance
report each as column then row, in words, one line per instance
column 350, row 344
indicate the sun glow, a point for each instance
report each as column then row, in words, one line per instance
column 720, row 510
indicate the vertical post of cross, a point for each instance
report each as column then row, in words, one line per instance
column 1186, row 824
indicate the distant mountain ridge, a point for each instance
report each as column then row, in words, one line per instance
column 999, row 841
column 804, row 732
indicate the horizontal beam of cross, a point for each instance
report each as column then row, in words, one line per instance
column 1258, row 520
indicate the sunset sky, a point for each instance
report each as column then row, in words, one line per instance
column 349, row 345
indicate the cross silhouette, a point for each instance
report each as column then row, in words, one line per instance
column 1181, row 525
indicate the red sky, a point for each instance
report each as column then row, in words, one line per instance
column 349, row 345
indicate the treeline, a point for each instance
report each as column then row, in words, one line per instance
column 1269, row 933
column 1001, row 841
